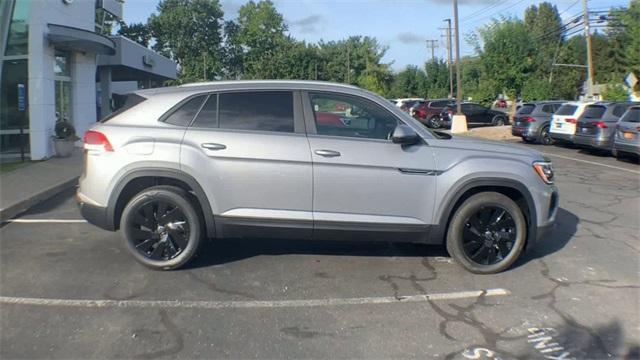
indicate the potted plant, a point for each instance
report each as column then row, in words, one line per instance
column 64, row 138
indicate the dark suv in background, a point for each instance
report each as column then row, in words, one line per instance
column 477, row 115
column 532, row 121
column 596, row 127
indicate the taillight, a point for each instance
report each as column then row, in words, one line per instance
column 529, row 119
column 95, row 140
column 599, row 124
column 571, row 121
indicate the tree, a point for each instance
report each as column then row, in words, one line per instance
column 437, row 79
column 137, row 32
column 543, row 24
column 535, row 89
column 188, row 31
column 376, row 78
column 616, row 92
column 410, row 82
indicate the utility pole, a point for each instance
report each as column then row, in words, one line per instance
column 587, row 34
column 348, row 64
column 433, row 44
column 458, row 87
column 449, row 62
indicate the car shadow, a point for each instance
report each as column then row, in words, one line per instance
column 564, row 230
column 223, row 251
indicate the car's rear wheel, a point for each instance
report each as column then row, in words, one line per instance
column 498, row 120
column 545, row 137
column 161, row 227
column 527, row 140
column 487, row 233
column 434, row 122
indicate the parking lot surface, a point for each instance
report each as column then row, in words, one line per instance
column 70, row 290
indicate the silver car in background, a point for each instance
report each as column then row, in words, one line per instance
column 596, row 127
column 627, row 133
column 305, row 160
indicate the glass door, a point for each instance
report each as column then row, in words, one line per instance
column 62, row 74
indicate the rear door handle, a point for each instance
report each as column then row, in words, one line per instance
column 327, row 153
column 213, row 146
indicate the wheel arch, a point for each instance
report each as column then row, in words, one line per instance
column 136, row 180
column 513, row 189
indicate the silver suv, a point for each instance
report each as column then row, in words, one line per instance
column 305, row 160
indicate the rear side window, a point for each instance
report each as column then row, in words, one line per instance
column 594, row 112
column 567, row 109
column 632, row 115
column 439, row 104
column 547, row 108
column 619, row 109
column 130, row 101
column 526, row 109
column 183, row 115
column 208, row 115
column 257, row 110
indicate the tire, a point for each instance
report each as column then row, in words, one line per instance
column 434, row 122
column 615, row 153
column 545, row 137
column 498, row 121
column 528, row 141
column 150, row 239
column 505, row 239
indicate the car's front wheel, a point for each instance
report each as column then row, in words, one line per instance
column 487, row 233
column 434, row 122
column 498, row 121
column 161, row 227
column 545, row 137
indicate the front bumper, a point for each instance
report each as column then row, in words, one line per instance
column 546, row 217
column 95, row 215
column 627, row 148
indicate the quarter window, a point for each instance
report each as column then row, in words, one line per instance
column 342, row 115
column 257, row 110
column 208, row 115
column 185, row 113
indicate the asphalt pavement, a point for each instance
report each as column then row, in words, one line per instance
column 70, row 290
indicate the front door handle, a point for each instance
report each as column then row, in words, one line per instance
column 213, row 146
column 327, row 153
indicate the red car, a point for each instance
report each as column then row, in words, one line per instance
column 429, row 111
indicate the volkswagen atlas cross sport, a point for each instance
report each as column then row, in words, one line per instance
column 305, row 160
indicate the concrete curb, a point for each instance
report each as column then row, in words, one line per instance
column 23, row 205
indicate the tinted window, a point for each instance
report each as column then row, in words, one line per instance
column 440, row 104
column 566, row 109
column 340, row 115
column 632, row 115
column 208, row 115
column 556, row 107
column 130, row 101
column 547, row 108
column 526, row 109
column 619, row 109
column 594, row 112
column 257, row 110
column 185, row 113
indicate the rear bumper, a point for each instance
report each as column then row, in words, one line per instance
column 95, row 215
column 628, row 148
column 524, row 131
column 592, row 141
column 562, row 137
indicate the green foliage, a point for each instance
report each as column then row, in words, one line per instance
column 616, row 92
column 536, row 89
column 437, row 81
column 137, row 32
column 410, row 82
column 188, row 31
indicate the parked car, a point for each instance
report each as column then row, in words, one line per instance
column 532, row 120
column 596, row 127
column 627, row 134
column 250, row 159
column 563, row 123
column 428, row 112
column 477, row 115
column 404, row 101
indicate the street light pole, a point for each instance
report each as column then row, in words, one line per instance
column 458, row 87
column 587, row 34
column 449, row 61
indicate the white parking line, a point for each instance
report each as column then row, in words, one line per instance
column 593, row 163
column 248, row 304
column 46, row 221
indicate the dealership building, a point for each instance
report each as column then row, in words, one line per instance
column 57, row 63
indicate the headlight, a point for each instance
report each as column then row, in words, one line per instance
column 544, row 170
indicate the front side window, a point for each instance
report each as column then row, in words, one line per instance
column 343, row 115
column 185, row 113
column 256, row 110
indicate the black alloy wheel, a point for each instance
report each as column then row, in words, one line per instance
column 545, row 137
column 489, row 235
column 162, row 227
column 159, row 230
column 498, row 121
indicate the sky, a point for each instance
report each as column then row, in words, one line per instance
column 401, row 25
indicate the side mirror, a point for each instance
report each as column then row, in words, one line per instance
column 404, row 135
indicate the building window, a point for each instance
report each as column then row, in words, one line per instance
column 62, row 74
column 17, row 39
column 14, row 118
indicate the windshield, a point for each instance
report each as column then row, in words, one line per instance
column 566, row 109
column 632, row 115
column 594, row 112
column 130, row 101
column 526, row 109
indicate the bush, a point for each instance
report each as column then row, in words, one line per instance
column 536, row 90
column 615, row 92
